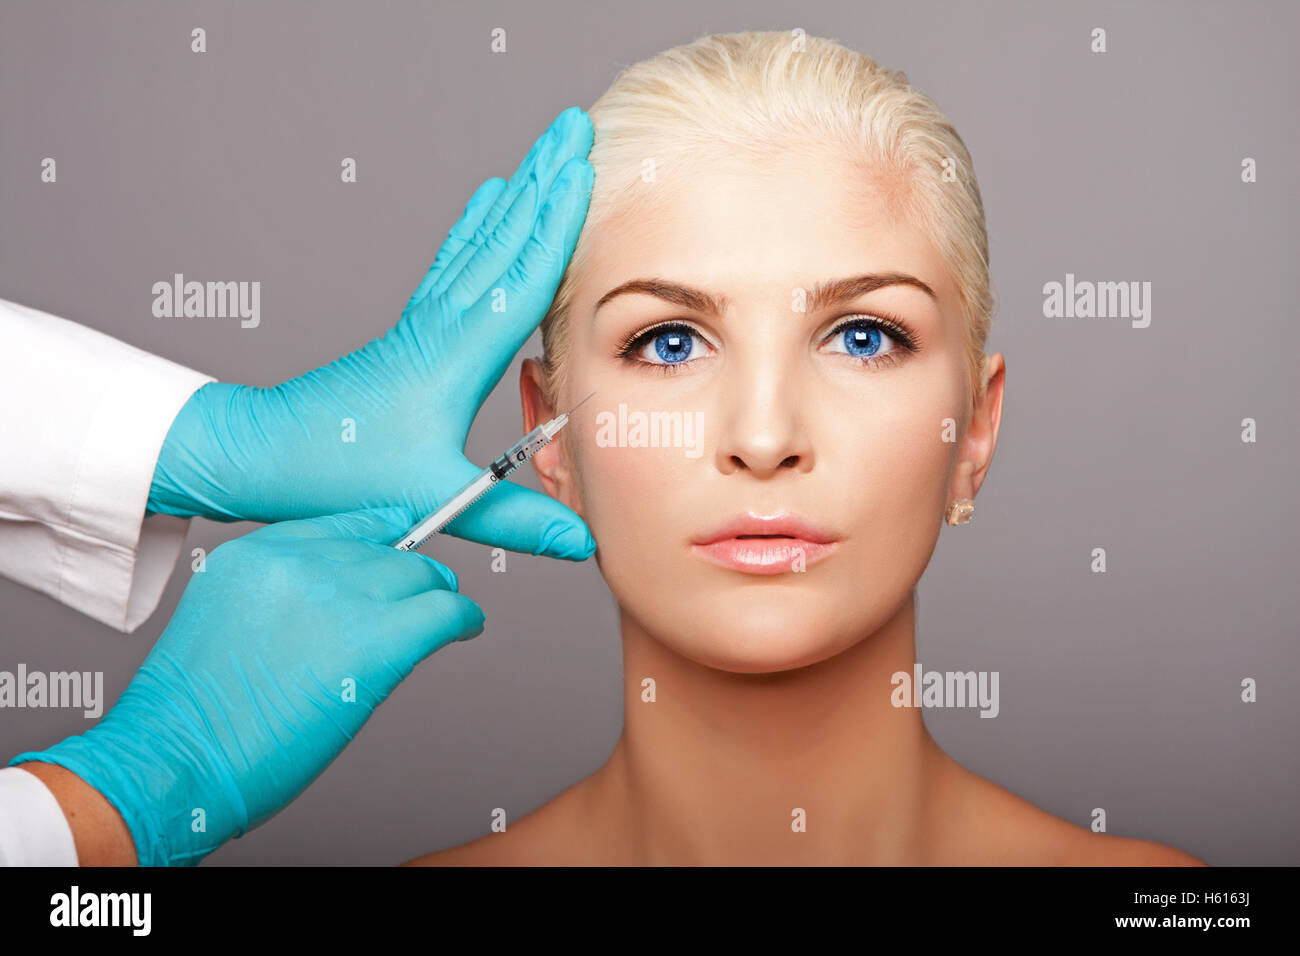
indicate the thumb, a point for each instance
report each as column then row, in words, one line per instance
column 415, row 627
column 520, row 519
column 383, row 526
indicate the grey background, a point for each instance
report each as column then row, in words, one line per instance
column 1118, row 690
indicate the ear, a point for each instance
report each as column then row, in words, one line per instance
column 981, row 434
column 554, row 462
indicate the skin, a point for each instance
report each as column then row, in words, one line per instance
column 773, row 692
column 99, row 833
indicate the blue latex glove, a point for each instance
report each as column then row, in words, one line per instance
column 269, row 454
column 244, row 699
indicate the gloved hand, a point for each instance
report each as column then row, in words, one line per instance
column 279, row 651
column 408, row 398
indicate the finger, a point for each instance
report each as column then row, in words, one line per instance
column 393, row 575
column 418, row 626
column 520, row 519
column 490, row 258
column 364, row 539
column 378, row 525
column 532, row 280
column 461, row 233
column 571, row 135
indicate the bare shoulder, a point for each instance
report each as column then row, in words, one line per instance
column 494, row 849
column 1122, row 851
column 1003, row 829
column 545, row 837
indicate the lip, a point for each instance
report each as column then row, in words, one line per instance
column 788, row 540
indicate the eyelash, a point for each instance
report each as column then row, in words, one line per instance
column 888, row 324
column 637, row 340
column 878, row 320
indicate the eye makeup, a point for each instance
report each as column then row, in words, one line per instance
column 670, row 334
column 862, row 335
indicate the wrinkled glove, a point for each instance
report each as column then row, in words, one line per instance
column 406, row 400
column 278, row 653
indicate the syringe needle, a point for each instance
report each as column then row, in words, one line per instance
column 486, row 480
column 575, row 407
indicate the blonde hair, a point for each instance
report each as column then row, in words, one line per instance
column 759, row 93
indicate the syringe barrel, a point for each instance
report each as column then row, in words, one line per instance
column 524, row 449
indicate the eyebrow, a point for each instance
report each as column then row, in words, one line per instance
column 822, row 295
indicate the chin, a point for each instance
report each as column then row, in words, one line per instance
column 761, row 632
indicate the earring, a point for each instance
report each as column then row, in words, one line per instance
column 961, row 511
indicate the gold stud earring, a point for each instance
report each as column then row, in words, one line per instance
column 961, row 511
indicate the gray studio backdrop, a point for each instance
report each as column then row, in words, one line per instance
column 1119, row 690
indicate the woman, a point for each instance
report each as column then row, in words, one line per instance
column 786, row 249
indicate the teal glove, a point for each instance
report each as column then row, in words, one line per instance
column 278, row 653
column 386, row 425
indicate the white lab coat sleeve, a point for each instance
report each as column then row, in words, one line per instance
column 84, row 418
column 33, row 829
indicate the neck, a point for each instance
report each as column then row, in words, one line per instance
column 716, row 768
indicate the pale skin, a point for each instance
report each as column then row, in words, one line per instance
column 773, row 692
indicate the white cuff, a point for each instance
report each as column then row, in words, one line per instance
column 33, row 829
column 90, row 417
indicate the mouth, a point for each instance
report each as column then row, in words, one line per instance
column 776, row 544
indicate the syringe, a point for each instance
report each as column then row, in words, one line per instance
column 487, row 479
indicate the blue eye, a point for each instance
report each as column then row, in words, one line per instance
column 663, row 346
column 673, row 347
column 860, row 341
column 874, row 340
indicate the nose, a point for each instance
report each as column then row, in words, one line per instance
column 761, row 430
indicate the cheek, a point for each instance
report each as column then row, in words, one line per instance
column 628, row 497
column 904, row 448
column 630, row 489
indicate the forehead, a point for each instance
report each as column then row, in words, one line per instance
column 741, row 225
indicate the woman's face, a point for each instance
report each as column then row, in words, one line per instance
column 820, row 415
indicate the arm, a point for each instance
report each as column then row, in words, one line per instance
column 237, row 452
column 114, row 433
column 276, row 657
column 88, row 415
column 100, row 835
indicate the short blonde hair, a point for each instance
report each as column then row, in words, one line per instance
column 758, row 93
